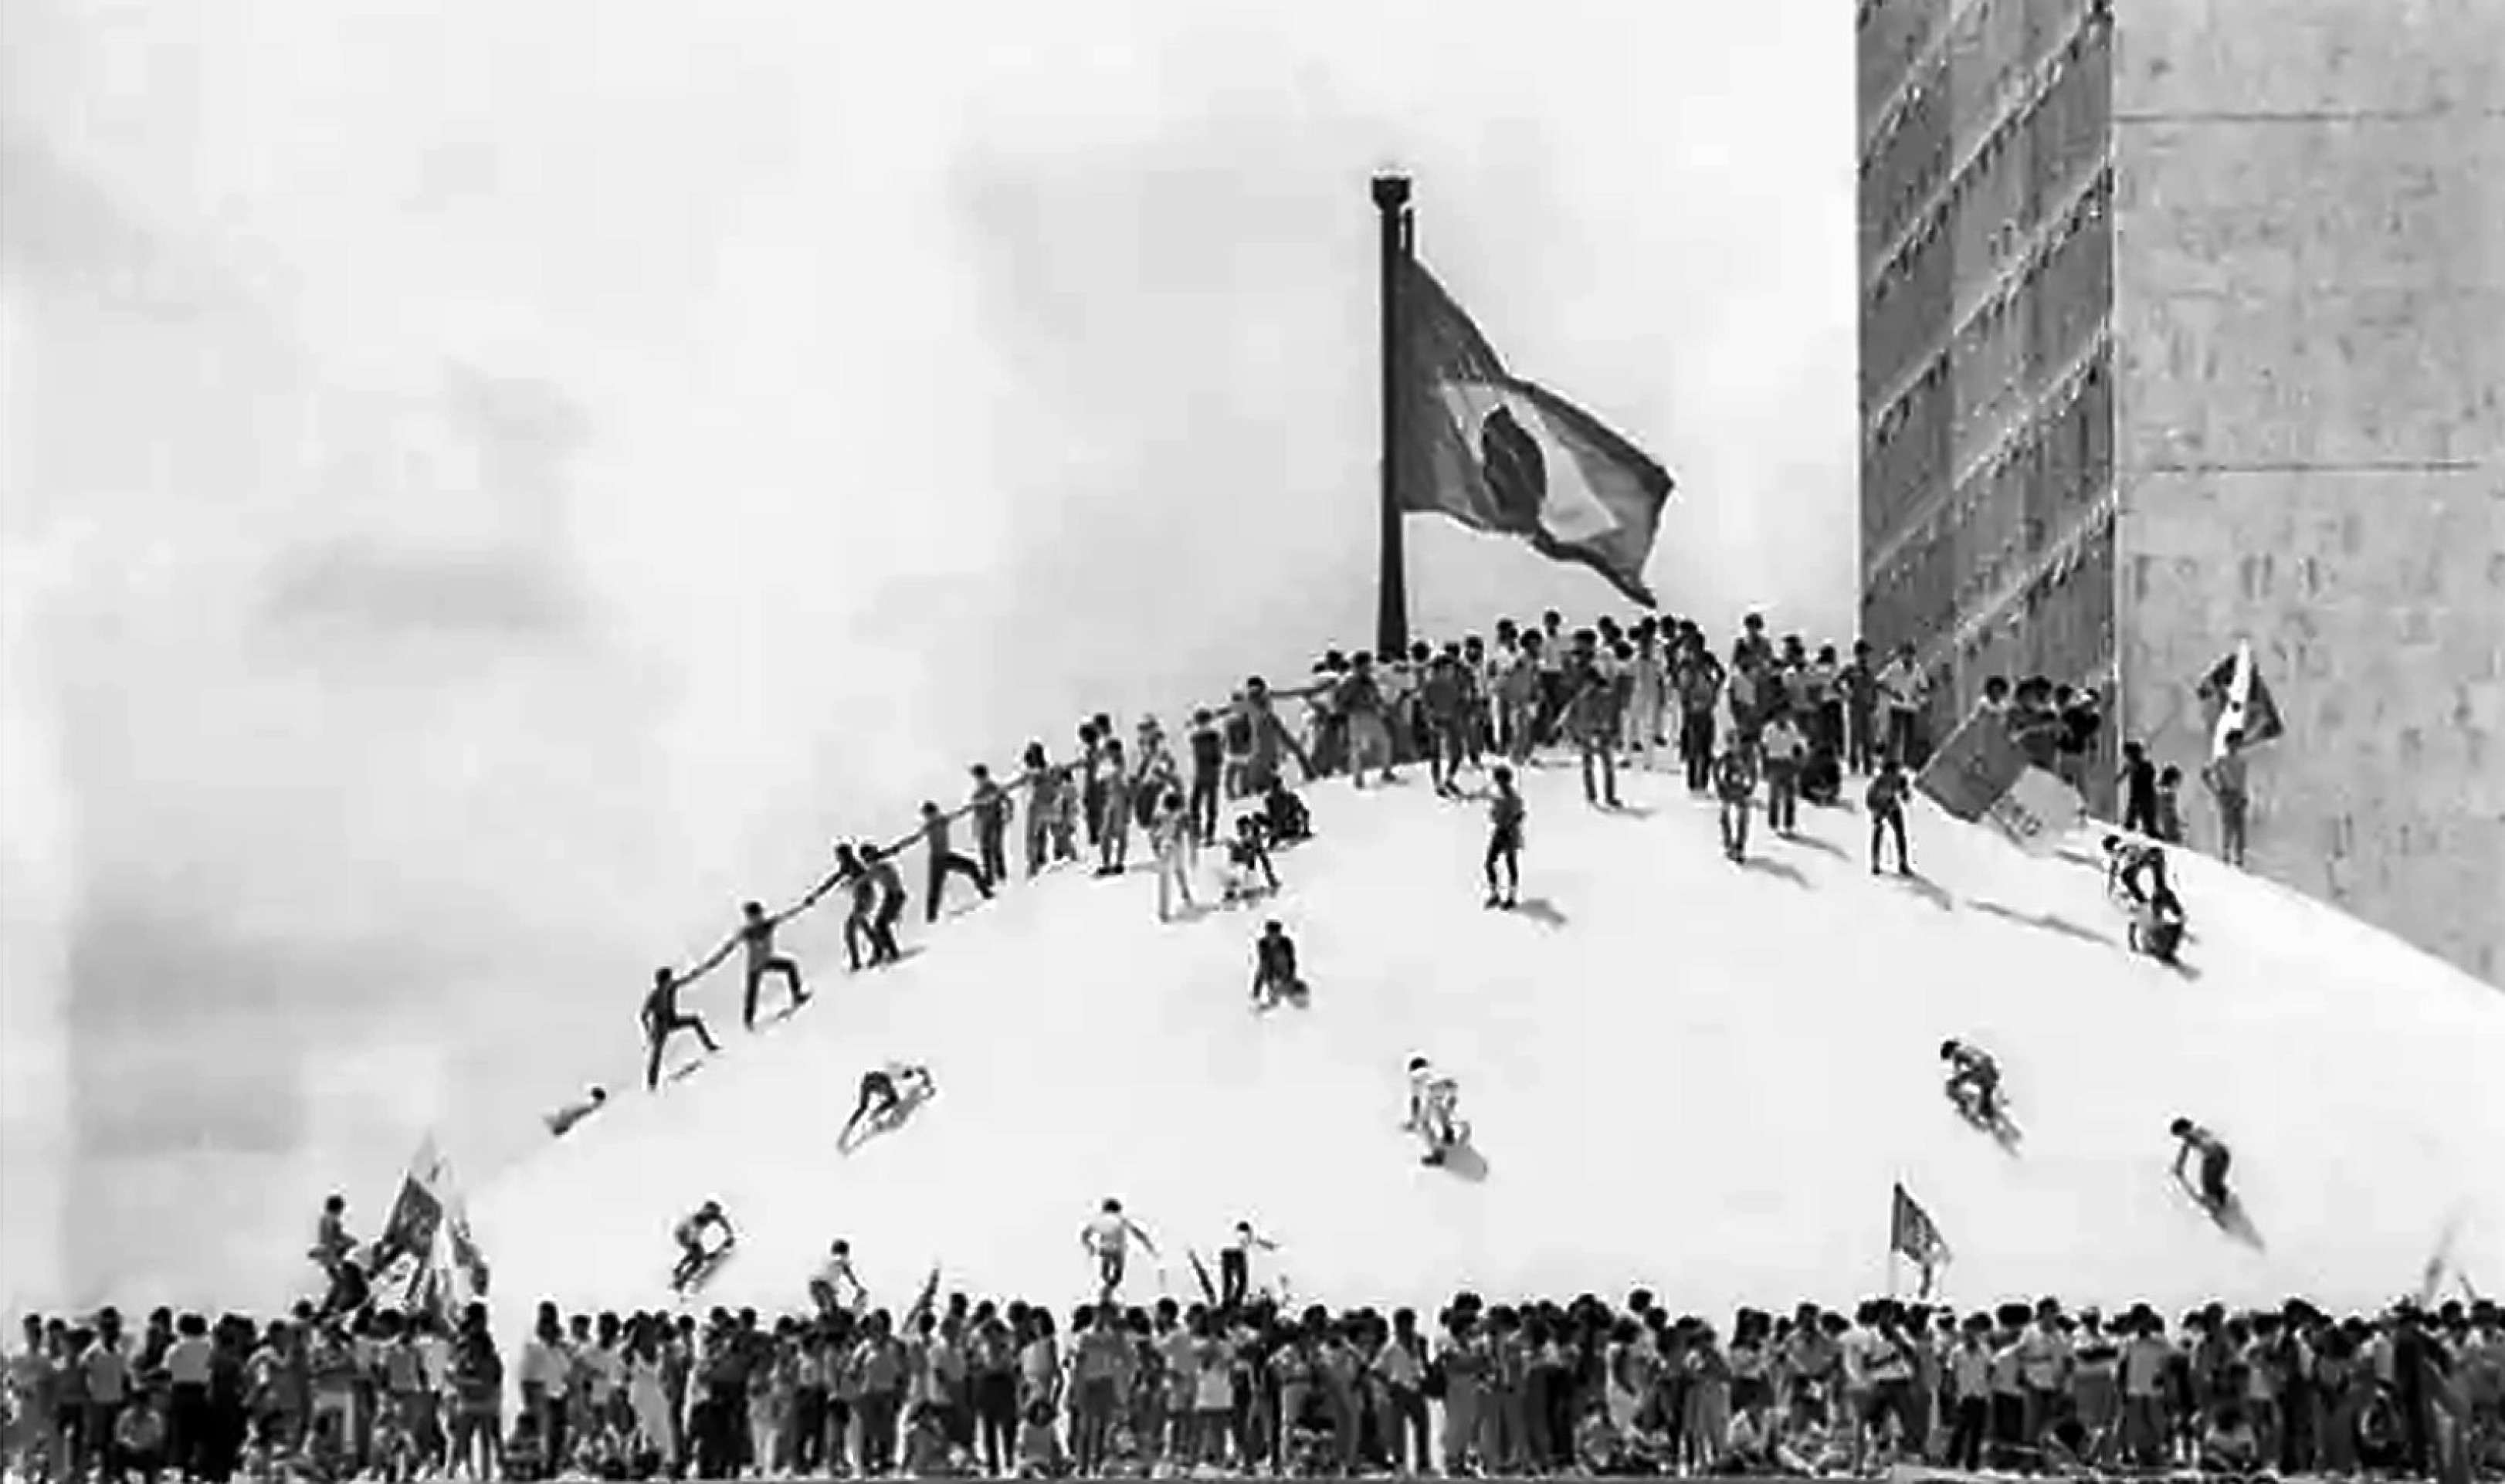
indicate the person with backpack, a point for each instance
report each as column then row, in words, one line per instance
column 1735, row 784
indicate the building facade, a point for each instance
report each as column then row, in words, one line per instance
column 2184, row 322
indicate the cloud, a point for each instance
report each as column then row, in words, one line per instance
column 483, row 496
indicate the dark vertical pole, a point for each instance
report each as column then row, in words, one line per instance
column 1391, row 613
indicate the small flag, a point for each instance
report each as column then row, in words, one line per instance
column 1502, row 454
column 2239, row 701
column 1912, row 1233
column 1974, row 769
column 2037, row 811
column 930, row 1295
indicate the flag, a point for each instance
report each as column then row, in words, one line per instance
column 1912, row 1233
column 2037, row 811
column 1970, row 772
column 925, row 1302
column 1505, row 455
column 427, row 1257
column 416, row 1212
column 2239, row 701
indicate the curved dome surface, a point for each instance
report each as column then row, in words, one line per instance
column 1701, row 1076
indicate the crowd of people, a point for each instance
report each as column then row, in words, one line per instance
column 1765, row 723
column 348, row 1385
column 1247, row 1382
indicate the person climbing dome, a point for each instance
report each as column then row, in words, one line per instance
column 2190, row 1138
column 1274, row 968
column 662, row 1018
column 696, row 1256
column 1974, row 1081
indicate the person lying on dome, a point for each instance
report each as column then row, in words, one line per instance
column 885, row 1091
column 2192, row 1139
column 562, row 1122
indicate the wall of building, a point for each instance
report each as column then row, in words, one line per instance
column 1985, row 370
column 2311, row 326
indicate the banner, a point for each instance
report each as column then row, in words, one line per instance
column 2037, row 811
column 1970, row 772
column 1912, row 1233
column 426, row 1257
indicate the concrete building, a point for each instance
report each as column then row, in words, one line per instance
column 2184, row 321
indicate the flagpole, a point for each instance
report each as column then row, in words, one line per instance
column 1392, row 612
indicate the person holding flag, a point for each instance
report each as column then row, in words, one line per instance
column 2244, row 715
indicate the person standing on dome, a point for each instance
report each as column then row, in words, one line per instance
column 1504, row 839
column 1107, row 1239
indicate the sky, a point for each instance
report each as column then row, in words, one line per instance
column 484, row 494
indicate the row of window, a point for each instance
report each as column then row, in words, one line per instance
column 1890, row 38
column 2052, row 475
column 2064, row 628
column 2060, row 623
column 2033, row 330
column 2060, row 115
column 2044, row 483
column 2009, row 352
column 1992, row 211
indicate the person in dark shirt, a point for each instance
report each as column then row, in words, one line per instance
column 2138, row 780
column 1283, row 815
column 944, row 861
column 662, row 1018
column 1207, row 770
column 1504, row 861
column 1274, row 967
column 1249, row 871
column 883, row 886
column 1885, row 802
column 991, row 805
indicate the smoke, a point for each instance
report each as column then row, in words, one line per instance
column 485, row 493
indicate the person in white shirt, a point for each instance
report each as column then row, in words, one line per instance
column 1434, row 1103
column 1901, row 689
column 1107, row 1238
column 835, row 1285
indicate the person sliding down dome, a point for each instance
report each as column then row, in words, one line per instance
column 885, row 1091
column 1435, row 1106
column 693, row 1250
column 1974, row 1081
column 2192, row 1139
